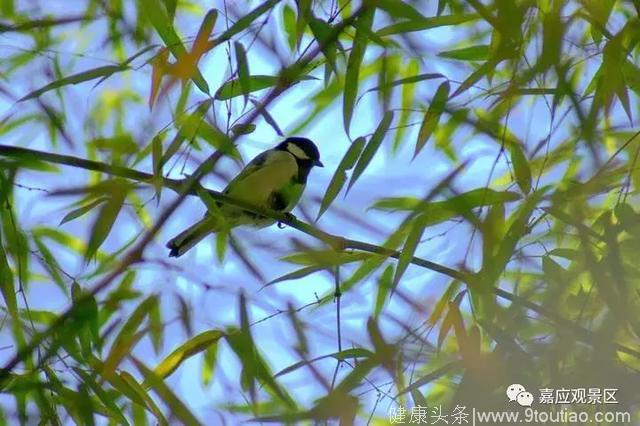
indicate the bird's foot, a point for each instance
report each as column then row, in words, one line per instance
column 290, row 218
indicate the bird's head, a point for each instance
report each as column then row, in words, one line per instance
column 303, row 149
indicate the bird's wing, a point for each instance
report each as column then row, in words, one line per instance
column 269, row 172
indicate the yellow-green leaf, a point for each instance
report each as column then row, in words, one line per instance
column 186, row 350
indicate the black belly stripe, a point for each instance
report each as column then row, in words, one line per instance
column 277, row 201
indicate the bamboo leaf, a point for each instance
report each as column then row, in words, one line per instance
column 398, row 9
column 105, row 220
column 410, row 246
column 74, row 214
column 186, row 350
column 128, row 335
column 244, row 22
column 432, row 116
column 232, row 88
column 158, row 17
column 81, row 77
column 521, row 167
column 341, row 356
column 352, row 74
column 176, row 407
column 371, row 148
column 243, row 70
column 471, row 53
column 425, row 24
column 340, row 176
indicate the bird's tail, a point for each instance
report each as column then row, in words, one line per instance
column 191, row 236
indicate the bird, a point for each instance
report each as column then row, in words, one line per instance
column 275, row 179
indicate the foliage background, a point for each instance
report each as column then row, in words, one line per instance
column 492, row 144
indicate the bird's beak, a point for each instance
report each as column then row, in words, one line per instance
column 318, row 163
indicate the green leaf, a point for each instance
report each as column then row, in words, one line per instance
column 128, row 335
column 243, row 70
column 340, row 356
column 232, row 88
column 371, row 148
column 74, row 214
column 81, row 77
column 432, row 117
column 322, row 31
column 128, row 385
column 158, row 17
column 410, row 246
column 340, row 176
column 425, row 24
column 186, row 350
column 383, row 288
column 398, row 9
column 488, row 67
column 443, row 210
column 289, row 26
column 156, row 157
column 243, row 129
column 408, row 80
column 297, row 274
column 244, row 22
column 521, row 167
column 471, row 53
column 106, row 218
column 352, row 74
column 209, row 364
column 7, row 286
column 175, row 406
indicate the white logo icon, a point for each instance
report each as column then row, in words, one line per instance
column 518, row 393
column 525, row 399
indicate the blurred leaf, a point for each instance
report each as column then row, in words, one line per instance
column 74, row 214
column 156, row 158
column 453, row 319
column 471, row 53
column 439, row 211
column 81, row 77
column 521, row 168
column 156, row 327
column 322, row 32
column 106, row 218
column 209, row 364
column 186, row 350
column 232, row 88
column 398, row 9
column 352, row 73
column 408, row 80
column 243, row 129
column 289, row 26
column 295, row 275
column 371, row 148
column 432, row 116
column 409, row 249
column 340, row 176
column 128, row 335
column 425, row 24
column 176, row 407
column 7, row 286
column 340, row 356
column 384, row 286
column 246, row 20
column 243, row 70
column 160, row 20
column 128, row 385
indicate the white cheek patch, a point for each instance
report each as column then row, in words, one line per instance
column 297, row 152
